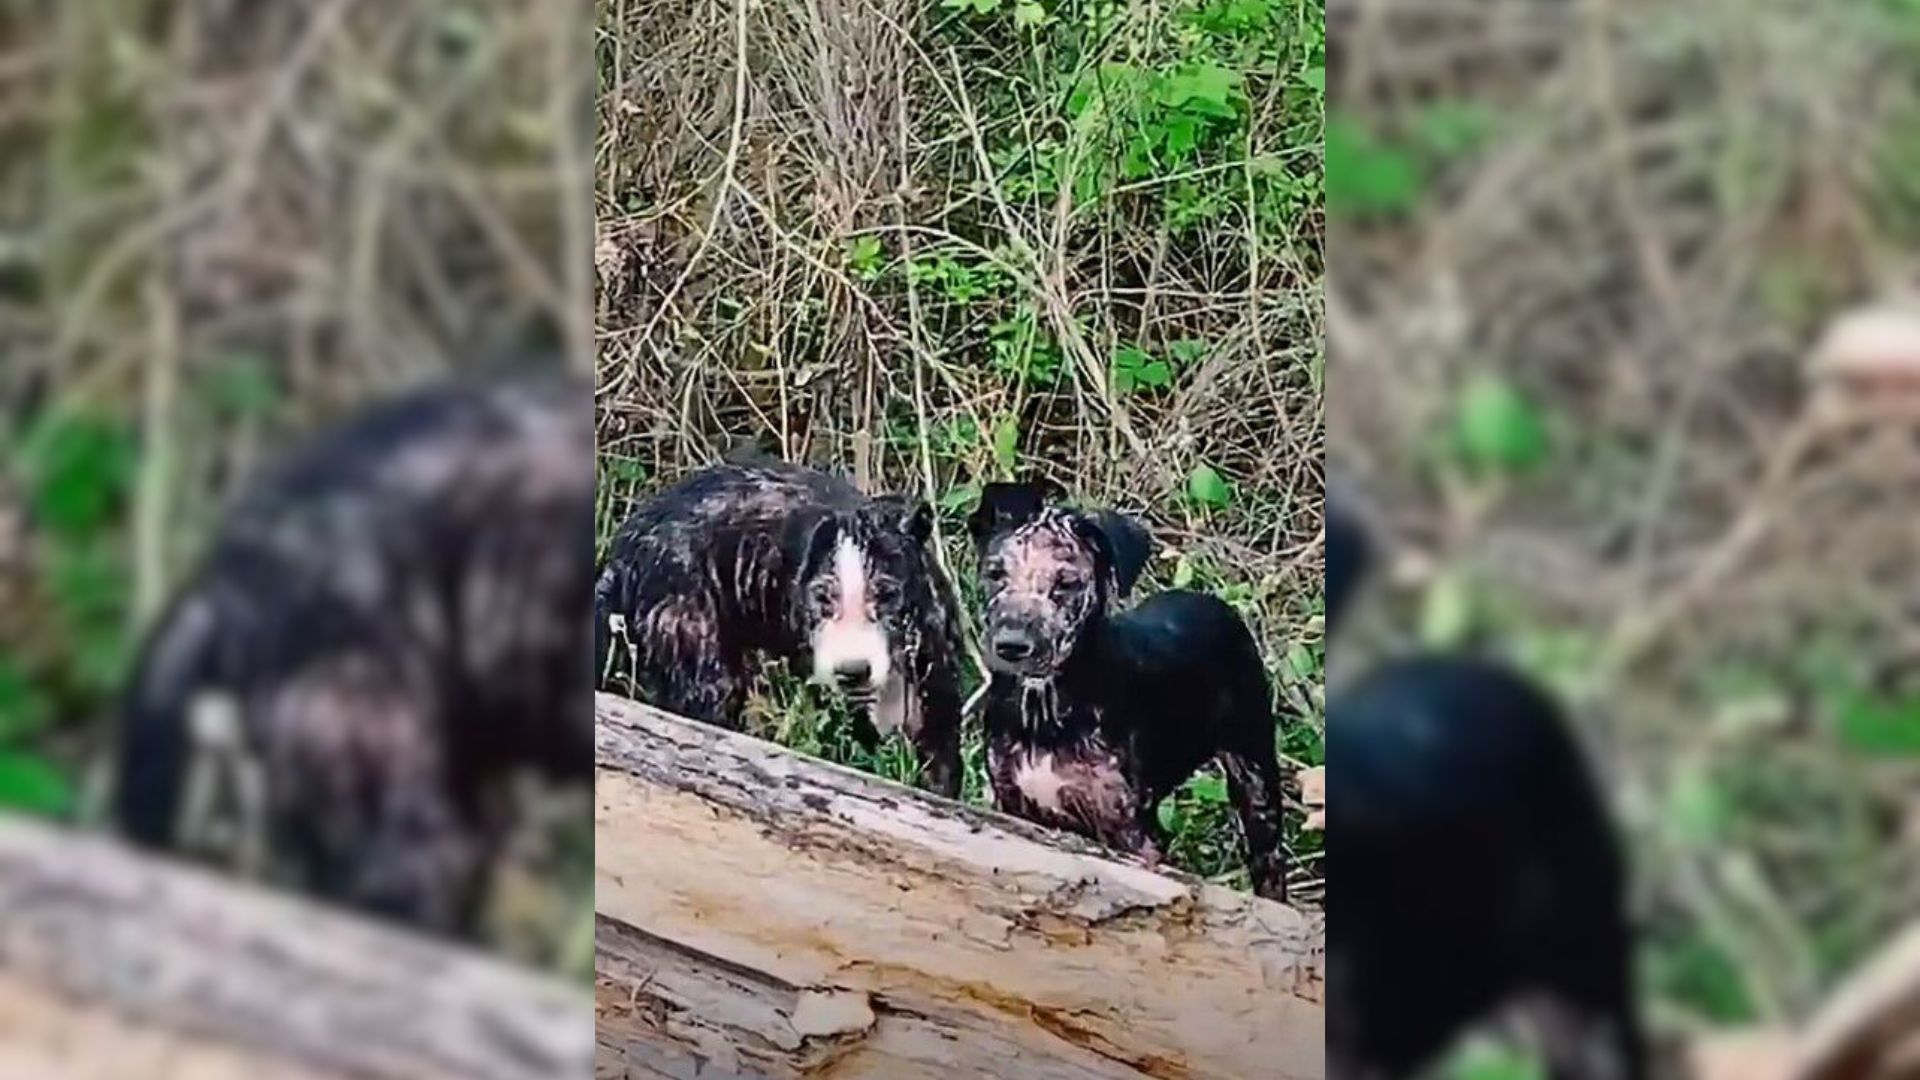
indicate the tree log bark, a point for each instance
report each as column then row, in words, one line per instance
column 764, row 915
column 117, row 965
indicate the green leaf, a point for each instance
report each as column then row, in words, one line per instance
column 242, row 388
column 1207, row 487
column 1029, row 15
column 1006, row 442
column 1183, row 572
column 78, row 469
column 1205, row 88
column 24, row 706
column 1697, row 809
column 1483, row 1059
column 1446, row 612
column 1498, row 426
column 1365, row 177
column 960, row 497
column 1208, row 788
column 33, row 785
column 1187, row 351
column 1134, row 368
column 1302, row 662
column 864, row 256
column 1880, row 728
column 1168, row 813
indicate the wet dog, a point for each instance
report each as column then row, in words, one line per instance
column 1478, row 870
column 740, row 561
column 1094, row 716
column 384, row 629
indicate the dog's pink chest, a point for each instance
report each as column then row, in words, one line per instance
column 1073, row 786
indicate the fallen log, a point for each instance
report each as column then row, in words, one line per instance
column 765, row 915
column 113, row 964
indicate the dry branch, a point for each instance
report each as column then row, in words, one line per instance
column 171, row 966
column 767, row 915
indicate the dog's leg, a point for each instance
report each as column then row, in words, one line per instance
column 358, row 771
column 1253, row 782
column 936, row 737
column 712, row 694
column 1137, row 817
column 683, row 665
column 1000, row 778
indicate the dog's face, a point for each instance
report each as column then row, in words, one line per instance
column 1050, row 574
column 857, row 583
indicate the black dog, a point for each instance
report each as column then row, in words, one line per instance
column 1094, row 717
column 384, row 627
column 1477, row 868
column 738, row 560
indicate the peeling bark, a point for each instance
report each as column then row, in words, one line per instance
column 764, row 915
column 117, row 965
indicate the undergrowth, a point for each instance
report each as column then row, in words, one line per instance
column 1581, row 255
column 937, row 244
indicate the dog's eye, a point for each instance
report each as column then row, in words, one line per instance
column 1067, row 586
column 885, row 592
column 996, row 575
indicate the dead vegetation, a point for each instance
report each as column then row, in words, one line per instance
column 905, row 239
column 1636, row 220
column 223, row 224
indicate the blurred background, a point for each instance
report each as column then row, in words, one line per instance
column 225, row 224
column 1582, row 255
column 937, row 244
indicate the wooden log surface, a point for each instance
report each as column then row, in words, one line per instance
column 766, row 915
column 114, row 964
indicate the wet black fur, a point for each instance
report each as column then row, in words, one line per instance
column 712, row 574
column 1144, row 696
column 395, row 610
column 1477, row 869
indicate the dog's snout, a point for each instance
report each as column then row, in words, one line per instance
column 1012, row 646
column 853, row 673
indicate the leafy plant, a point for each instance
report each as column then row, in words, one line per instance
column 1496, row 426
column 1206, row 487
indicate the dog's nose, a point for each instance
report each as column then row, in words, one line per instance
column 854, row 673
column 1012, row 648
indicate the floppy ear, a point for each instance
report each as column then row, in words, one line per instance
column 1003, row 506
column 908, row 514
column 1126, row 545
column 808, row 544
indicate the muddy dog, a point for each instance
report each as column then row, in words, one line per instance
column 1094, row 716
column 1478, row 870
column 385, row 627
column 768, row 559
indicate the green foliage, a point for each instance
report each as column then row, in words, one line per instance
column 1206, row 487
column 1878, row 726
column 865, row 257
column 1366, row 177
column 75, row 469
column 1377, row 173
column 1483, row 1059
column 242, row 388
column 30, row 783
column 1496, row 426
column 1690, row 966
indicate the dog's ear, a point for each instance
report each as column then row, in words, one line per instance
column 809, row 543
column 1003, row 506
column 1125, row 545
column 909, row 515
